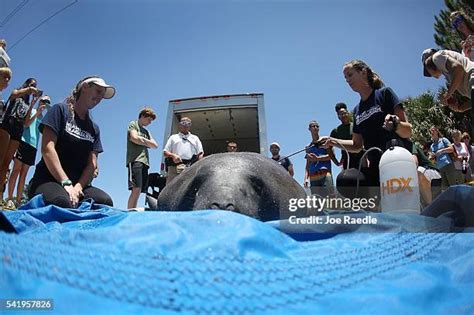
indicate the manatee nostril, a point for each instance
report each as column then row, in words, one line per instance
column 216, row 205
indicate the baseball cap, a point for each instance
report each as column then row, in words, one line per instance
column 425, row 55
column 45, row 98
column 275, row 144
column 109, row 90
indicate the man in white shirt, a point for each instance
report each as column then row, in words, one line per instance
column 182, row 149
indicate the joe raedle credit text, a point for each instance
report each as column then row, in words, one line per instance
column 316, row 204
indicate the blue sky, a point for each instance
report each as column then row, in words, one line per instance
column 154, row 51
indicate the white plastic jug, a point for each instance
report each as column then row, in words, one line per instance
column 399, row 181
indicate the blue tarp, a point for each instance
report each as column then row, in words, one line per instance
column 100, row 260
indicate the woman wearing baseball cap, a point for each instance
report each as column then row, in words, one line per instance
column 70, row 146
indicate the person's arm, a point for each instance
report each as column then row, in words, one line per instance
column 51, row 159
column 315, row 158
column 306, row 174
column 176, row 158
column 168, row 154
column 88, row 172
column 404, row 127
column 457, row 76
column 447, row 149
column 200, row 150
column 467, row 46
column 333, row 157
column 28, row 118
column 398, row 123
column 50, row 155
column 355, row 145
column 24, row 91
column 291, row 170
column 415, row 158
column 137, row 139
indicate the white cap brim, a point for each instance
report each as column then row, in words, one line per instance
column 45, row 98
column 109, row 89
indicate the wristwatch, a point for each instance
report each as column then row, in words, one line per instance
column 66, row 182
column 395, row 121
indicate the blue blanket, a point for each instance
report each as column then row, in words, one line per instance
column 100, row 260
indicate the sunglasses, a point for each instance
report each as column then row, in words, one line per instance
column 313, row 126
column 185, row 123
column 457, row 21
column 232, row 147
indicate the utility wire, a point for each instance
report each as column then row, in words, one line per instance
column 12, row 14
column 43, row 22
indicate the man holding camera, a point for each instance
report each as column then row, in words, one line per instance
column 182, row 149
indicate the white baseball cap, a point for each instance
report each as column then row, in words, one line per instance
column 275, row 144
column 109, row 89
column 45, row 98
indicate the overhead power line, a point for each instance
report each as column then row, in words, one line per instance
column 12, row 14
column 41, row 23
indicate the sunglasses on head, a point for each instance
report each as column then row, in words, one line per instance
column 457, row 21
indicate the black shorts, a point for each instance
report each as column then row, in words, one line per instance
column 13, row 127
column 26, row 153
column 138, row 176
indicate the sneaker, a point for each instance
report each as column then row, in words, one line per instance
column 10, row 205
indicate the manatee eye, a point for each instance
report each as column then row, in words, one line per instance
column 187, row 203
column 257, row 184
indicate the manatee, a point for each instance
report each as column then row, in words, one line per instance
column 243, row 182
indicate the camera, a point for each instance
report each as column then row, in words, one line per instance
column 39, row 93
column 464, row 165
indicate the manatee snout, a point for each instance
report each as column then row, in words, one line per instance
column 243, row 182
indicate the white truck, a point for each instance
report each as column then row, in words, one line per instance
column 219, row 119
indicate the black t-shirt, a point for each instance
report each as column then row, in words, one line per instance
column 2, row 109
column 369, row 117
column 76, row 138
column 17, row 108
column 344, row 132
column 286, row 163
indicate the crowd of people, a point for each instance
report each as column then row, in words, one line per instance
column 71, row 140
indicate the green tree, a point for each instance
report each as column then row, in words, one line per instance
column 426, row 110
column 445, row 36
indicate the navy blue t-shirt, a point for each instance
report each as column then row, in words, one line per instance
column 369, row 117
column 76, row 138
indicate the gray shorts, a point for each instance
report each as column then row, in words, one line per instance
column 138, row 176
